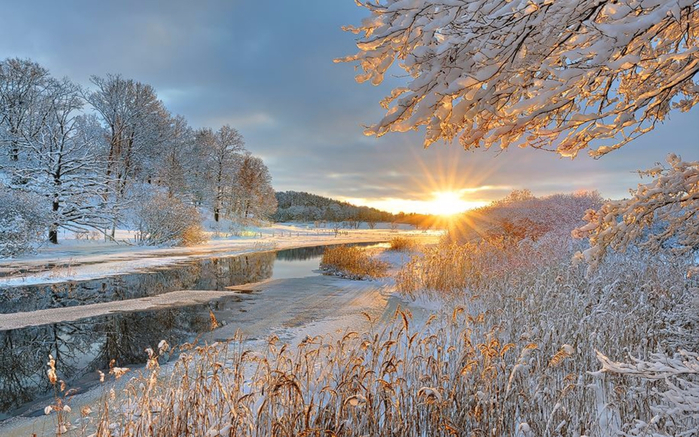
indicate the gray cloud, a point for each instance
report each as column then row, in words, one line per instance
column 266, row 68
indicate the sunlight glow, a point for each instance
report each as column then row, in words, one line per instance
column 443, row 187
column 447, row 203
column 415, row 206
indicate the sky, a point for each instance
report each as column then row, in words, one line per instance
column 266, row 68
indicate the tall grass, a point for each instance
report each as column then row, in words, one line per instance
column 402, row 244
column 352, row 262
column 512, row 360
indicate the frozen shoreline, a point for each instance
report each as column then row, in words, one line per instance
column 73, row 313
column 93, row 261
column 324, row 305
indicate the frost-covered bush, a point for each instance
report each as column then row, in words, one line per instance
column 676, row 411
column 660, row 216
column 163, row 220
column 521, row 216
column 23, row 222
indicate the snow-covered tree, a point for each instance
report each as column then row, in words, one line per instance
column 252, row 193
column 177, row 162
column 22, row 84
column 662, row 214
column 546, row 74
column 23, row 222
column 221, row 151
column 138, row 125
column 63, row 161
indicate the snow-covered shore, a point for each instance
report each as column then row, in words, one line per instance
column 84, row 260
column 288, row 308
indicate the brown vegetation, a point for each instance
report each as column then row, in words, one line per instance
column 352, row 262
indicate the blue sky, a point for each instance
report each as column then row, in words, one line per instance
column 266, row 68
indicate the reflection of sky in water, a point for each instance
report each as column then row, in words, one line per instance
column 295, row 269
column 303, row 262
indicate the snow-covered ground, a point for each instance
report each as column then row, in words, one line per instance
column 79, row 259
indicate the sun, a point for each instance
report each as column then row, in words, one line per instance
column 447, row 203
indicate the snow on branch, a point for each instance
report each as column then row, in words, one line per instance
column 678, row 412
column 547, row 74
column 663, row 214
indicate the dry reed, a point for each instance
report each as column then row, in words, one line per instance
column 352, row 262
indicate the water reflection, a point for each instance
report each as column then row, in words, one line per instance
column 209, row 274
column 85, row 345
column 82, row 346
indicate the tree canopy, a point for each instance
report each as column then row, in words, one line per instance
column 567, row 75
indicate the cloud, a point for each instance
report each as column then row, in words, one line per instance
column 266, row 67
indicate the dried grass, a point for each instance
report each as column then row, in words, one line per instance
column 352, row 262
column 402, row 244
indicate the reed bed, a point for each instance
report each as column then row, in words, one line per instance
column 353, row 263
column 512, row 352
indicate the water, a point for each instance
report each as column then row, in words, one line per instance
column 80, row 347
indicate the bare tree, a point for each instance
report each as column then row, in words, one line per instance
column 63, row 161
column 22, row 84
column 137, row 126
column 177, row 163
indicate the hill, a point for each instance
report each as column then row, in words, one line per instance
column 307, row 207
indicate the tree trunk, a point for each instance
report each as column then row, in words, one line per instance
column 53, row 231
column 14, row 155
column 216, row 213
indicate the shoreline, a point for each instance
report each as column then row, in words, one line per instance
column 90, row 266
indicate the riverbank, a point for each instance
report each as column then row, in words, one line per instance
column 85, row 260
column 288, row 309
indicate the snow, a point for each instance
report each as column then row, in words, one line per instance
column 78, row 260
column 72, row 313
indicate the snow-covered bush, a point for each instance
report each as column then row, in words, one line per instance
column 521, row 216
column 23, row 222
column 677, row 396
column 660, row 216
column 163, row 220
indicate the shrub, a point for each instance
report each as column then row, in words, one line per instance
column 402, row 244
column 352, row 263
column 22, row 222
column 522, row 216
column 163, row 220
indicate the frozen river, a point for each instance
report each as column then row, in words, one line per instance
column 85, row 325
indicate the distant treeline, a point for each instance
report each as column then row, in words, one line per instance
column 306, row 207
column 298, row 206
